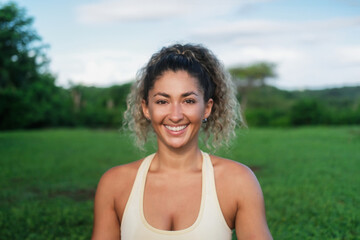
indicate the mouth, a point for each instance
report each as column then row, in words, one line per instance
column 176, row 128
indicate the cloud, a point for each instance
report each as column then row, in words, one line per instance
column 110, row 11
column 98, row 68
column 308, row 53
column 349, row 55
column 244, row 55
column 302, row 67
column 260, row 28
column 114, row 11
column 288, row 61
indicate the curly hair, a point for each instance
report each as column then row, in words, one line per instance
column 214, row 81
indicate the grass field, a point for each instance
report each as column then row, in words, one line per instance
column 310, row 179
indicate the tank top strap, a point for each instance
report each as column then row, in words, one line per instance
column 212, row 198
column 142, row 172
column 208, row 171
column 135, row 196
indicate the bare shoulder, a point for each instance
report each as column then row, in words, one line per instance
column 122, row 171
column 241, row 199
column 110, row 198
column 118, row 177
column 232, row 170
column 235, row 176
column 115, row 186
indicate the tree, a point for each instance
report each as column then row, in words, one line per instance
column 28, row 95
column 308, row 112
column 21, row 51
column 248, row 77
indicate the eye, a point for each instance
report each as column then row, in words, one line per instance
column 161, row 102
column 189, row 101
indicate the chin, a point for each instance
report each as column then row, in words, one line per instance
column 178, row 143
column 175, row 145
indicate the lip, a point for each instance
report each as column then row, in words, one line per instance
column 176, row 129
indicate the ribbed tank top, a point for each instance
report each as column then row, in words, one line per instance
column 210, row 223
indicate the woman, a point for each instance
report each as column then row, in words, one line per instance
column 180, row 192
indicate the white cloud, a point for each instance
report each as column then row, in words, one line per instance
column 109, row 11
column 260, row 28
column 308, row 53
column 113, row 11
column 98, row 68
column 302, row 67
column 318, row 67
column 349, row 55
column 287, row 60
column 252, row 54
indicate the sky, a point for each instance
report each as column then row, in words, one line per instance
column 314, row 44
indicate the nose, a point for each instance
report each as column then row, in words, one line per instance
column 176, row 114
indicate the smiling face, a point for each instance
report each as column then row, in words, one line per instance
column 176, row 109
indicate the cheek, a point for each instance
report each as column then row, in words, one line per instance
column 157, row 112
column 196, row 113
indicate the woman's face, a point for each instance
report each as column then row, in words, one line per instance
column 176, row 109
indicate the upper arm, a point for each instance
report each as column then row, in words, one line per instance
column 106, row 223
column 250, row 219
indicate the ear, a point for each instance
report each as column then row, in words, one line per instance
column 145, row 109
column 208, row 107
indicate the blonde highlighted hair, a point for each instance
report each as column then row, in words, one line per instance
column 214, row 81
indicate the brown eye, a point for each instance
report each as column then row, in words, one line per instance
column 160, row 102
column 189, row 101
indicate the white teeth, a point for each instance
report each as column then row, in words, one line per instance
column 176, row 128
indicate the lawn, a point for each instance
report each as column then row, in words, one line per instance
column 310, row 179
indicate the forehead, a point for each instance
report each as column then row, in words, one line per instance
column 179, row 81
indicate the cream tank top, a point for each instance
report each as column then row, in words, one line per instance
column 210, row 223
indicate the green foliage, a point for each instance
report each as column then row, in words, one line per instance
column 267, row 117
column 41, row 104
column 248, row 77
column 255, row 72
column 100, row 107
column 269, row 106
column 307, row 112
column 21, row 52
column 28, row 95
column 264, row 105
column 309, row 177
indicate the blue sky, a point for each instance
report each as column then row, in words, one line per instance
column 315, row 44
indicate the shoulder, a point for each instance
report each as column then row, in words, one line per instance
column 121, row 171
column 118, row 178
column 232, row 169
column 241, row 198
column 109, row 197
column 235, row 177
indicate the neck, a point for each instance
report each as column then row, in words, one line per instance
column 182, row 159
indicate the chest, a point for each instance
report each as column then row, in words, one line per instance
column 172, row 202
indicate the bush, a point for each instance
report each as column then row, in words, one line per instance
column 267, row 117
column 307, row 112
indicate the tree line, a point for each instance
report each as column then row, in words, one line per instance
column 29, row 97
column 265, row 105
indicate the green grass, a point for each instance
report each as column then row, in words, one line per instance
column 310, row 179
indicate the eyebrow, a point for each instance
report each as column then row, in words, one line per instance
column 186, row 94
column 189, row 93
column 162, row 94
